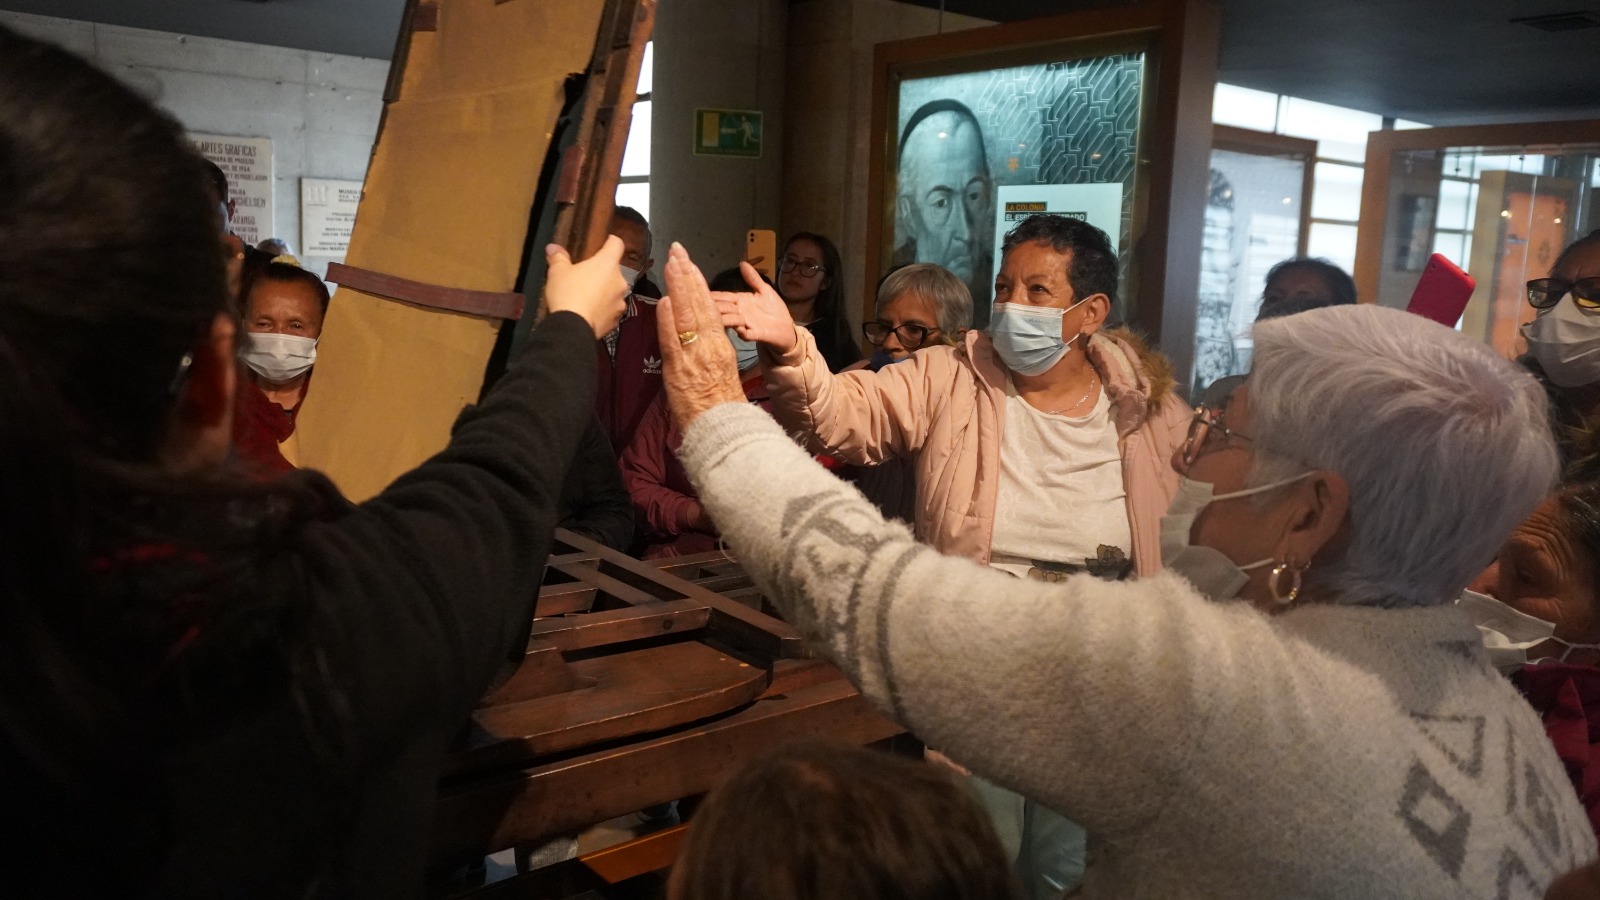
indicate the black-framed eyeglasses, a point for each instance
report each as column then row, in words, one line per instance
column 1544, row 293
column 911, row 336
column 789, row 264
column 1207, row 434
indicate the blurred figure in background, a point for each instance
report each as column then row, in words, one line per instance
column 1564, row 353
column 811, row 283
column 1538, row 607
column 629, row 355
column 284, row 309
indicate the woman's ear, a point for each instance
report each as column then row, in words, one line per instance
column 1095, row 310
column 1320, row 506
column 202, row 430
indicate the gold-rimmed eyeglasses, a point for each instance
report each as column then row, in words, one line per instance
column 1207, row 434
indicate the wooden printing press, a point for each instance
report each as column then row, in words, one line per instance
column 643, row 682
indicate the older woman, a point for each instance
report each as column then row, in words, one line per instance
column 920, row 305
column 1340, row 733
column 1539, row 603
column 1041, row 445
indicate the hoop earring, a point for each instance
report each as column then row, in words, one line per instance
column 1273, row 586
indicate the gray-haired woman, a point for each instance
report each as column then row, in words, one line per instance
column 1339, row 734
column 920, row 305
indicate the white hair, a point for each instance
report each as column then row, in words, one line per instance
column 1445, row 445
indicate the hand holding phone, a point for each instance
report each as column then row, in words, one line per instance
column 761, row 251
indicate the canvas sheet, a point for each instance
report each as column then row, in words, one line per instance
column 447, row 202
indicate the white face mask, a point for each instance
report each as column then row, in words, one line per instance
column 278, row 358
column 1566, row 342
column 1509, row 633
column 1210, row 570
column 629, row 275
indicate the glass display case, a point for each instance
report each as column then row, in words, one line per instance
column 1099, row 114
column 1499, row 201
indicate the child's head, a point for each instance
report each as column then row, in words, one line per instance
column 819, row 821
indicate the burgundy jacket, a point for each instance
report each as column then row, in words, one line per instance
column 626, row 386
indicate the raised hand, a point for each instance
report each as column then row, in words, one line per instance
column 762, row 317
column 593, row 288
column 698, row 362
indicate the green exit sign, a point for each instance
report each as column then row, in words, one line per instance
column 727, row 132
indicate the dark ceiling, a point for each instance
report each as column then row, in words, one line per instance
column 1436, row 61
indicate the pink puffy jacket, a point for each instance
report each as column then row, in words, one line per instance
column 944, row 409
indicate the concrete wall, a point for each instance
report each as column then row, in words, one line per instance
column 830, row 90
column 321, row 110
column 807, row 65
column 717, row 55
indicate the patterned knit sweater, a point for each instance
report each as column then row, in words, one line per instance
column 1332, row 751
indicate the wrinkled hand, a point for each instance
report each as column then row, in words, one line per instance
column 593, row 288
column 762, row 317
column 701, row 373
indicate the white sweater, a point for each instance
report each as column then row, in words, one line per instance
column 1213, row 751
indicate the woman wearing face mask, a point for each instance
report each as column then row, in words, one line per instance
column 664, row 500
column 1041, row 446
column 284, row 308
column 1338, row 733
column 1538, row 607
column 1564, row 352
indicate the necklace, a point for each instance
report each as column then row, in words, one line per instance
column 1093, row 384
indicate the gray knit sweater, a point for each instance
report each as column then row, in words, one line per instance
column 1332, row 751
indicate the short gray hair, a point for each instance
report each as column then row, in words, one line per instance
column 1445, row 445
column 951, row 298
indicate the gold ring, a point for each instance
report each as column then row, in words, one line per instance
column 687, row 337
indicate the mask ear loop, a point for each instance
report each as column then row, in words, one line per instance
column 1274, row 582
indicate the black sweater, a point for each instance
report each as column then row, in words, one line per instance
column 414, row 602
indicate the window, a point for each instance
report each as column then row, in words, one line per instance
column 1341, row 136
column 633, row 188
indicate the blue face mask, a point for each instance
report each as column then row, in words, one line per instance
column 879, row 359
column 1028, row 338
column 744, row 351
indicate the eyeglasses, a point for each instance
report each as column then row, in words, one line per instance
column 1544, row 293
column 1207, row 434
column 911, row 336
column 789, row 264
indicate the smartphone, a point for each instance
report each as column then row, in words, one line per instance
column 1442, row 293
column 761, row 251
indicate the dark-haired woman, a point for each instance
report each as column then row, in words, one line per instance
column 811, row 283
column 284, row 306
column 1564, row 353
column 209, row 687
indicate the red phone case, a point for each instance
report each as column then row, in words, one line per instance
column 1442, row 293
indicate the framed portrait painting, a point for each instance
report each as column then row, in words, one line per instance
column 1077, row 115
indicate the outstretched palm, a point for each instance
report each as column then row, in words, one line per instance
column 762, row 316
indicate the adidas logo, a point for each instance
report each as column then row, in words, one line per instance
column 652, row 365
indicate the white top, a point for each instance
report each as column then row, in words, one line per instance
column 1061, row 493
column 1210, row 750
